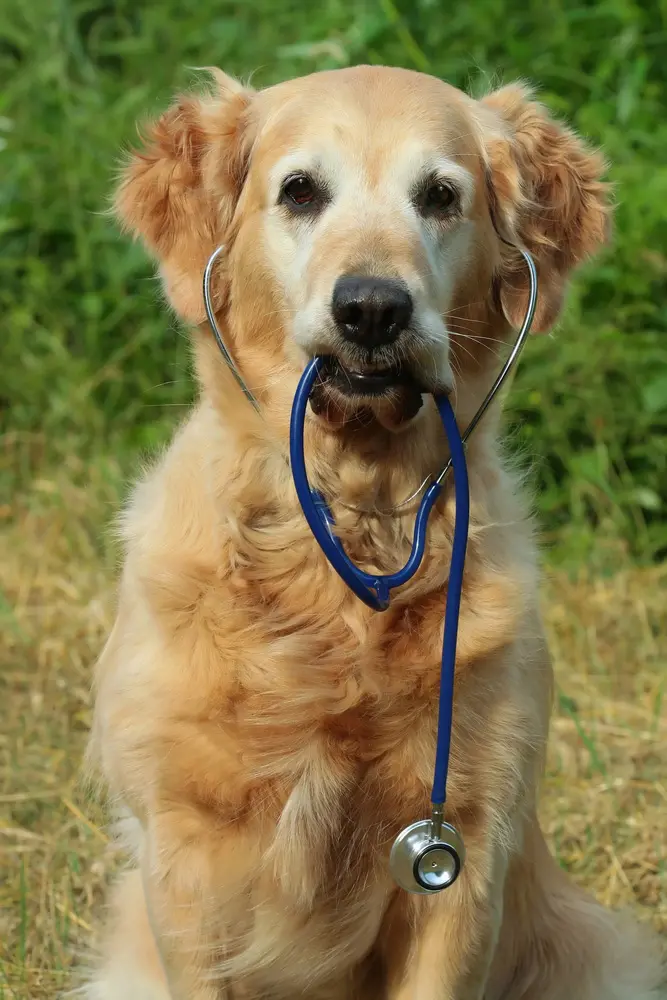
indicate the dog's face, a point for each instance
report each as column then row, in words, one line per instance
column 372, row 223
column 360, row 212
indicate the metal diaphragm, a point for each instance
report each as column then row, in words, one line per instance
column 421, row 863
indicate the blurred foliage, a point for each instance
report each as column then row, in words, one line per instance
column 92, row 363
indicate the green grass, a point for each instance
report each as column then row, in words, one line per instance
column 92, row 364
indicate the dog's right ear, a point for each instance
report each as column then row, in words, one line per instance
column 178, row 192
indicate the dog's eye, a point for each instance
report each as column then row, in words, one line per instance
column 300, row 191
column 438, row 198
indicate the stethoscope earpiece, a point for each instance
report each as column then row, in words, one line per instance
column 427, row 856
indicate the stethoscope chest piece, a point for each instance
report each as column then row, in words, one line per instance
column 423, row 861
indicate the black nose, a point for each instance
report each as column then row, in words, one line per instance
column 370, row 311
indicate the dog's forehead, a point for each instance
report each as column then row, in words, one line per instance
column 370, row 114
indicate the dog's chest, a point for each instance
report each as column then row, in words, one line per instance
column 353, row 757
column 346, row 710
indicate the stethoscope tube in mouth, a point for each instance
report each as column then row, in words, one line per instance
column 372, row 589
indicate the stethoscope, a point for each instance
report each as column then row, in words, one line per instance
column 428, row 855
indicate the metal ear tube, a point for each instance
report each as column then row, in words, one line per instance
column 428, row 855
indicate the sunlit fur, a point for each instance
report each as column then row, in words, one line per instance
column 265, row 734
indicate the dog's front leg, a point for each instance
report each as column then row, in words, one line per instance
column 191, row 875
column 448, row 940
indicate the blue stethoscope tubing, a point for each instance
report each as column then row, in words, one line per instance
column 374, row 589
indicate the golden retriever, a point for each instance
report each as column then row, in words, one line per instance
column 265, row 734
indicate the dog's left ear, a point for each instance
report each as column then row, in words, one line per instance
column 178, row 193
column 546, row 194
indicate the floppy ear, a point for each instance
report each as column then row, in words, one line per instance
column 547, row 196
column 178, row 193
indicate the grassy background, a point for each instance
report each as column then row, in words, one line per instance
column 94, row 374
column 92, row 365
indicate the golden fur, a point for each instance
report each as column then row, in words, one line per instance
column 264, row 733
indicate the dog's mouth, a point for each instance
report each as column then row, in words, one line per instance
column 390, row 394
column 368, row 380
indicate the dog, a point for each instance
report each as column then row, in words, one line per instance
column 265, row 734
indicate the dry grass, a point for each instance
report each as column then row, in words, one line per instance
column 605, row 800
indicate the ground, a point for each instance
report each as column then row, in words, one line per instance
column 604, row 800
